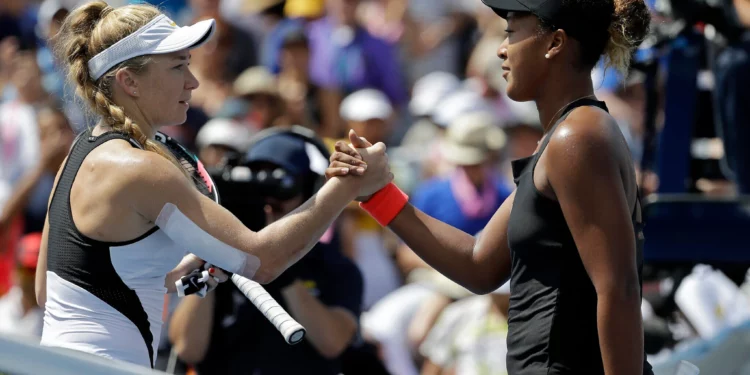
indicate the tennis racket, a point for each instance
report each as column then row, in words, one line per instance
column 292, row 331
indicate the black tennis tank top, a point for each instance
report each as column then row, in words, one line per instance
column 552, row 316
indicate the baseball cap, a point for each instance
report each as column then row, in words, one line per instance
column 429, row 90
column 289, row 152
column 471, row 137
column 366, row 105
column 552, row 11
column 161, row 35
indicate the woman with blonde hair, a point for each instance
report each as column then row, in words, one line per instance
column 123, row 215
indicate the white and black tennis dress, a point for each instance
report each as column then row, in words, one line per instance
column 104, row 298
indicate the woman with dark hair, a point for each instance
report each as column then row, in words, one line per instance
column 569, row 238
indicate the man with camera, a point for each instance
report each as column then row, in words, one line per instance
column 224, row 333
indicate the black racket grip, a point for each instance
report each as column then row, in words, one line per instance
column 192, row 283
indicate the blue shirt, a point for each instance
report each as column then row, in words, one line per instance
column 364, row 62
column 435, row 198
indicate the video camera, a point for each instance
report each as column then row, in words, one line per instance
column 244, row 189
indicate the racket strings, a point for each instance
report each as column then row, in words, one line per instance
column 193, row 167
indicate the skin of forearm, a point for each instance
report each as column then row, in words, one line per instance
column 329, row 329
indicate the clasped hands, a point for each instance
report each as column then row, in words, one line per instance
column 366, row 162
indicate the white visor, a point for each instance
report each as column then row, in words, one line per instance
column 159, row 36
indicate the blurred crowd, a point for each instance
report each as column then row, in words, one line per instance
column 422, row 76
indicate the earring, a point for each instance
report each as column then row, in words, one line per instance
column 546, row 55
column 134, row 93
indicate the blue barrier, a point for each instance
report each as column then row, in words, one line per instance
column 696, row 229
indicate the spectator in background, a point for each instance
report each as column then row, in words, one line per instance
column 472, row 193
column 220, row 139
column 469, row 337
column 259, row 88
column 19, row 312
column 19, row 150
column 301, row 97
column 17, row 22
column 434, row 34
column 345, row 58
column 467, row 199
column 236, row 50
column 276, row 25
column 459, row 102
column 222, row 58
column 427, row 94
column 225, row 334
column 31, row 194
column 49, row 19
column 384, row 19
column 370, row 112
column 732, row 69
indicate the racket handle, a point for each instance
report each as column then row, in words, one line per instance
column 292, row 331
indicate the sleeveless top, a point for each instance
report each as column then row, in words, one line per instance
column 104, row 298
column 552, row 316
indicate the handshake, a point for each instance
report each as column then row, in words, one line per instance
column 361, row 158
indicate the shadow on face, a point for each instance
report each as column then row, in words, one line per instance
column 523, row 51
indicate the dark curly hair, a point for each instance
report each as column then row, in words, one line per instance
column 626, row 23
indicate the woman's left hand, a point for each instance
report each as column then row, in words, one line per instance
column 216, row 276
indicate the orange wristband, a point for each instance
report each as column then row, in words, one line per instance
column 384, row 205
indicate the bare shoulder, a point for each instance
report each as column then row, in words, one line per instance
column 588, row 138
column 126, row 168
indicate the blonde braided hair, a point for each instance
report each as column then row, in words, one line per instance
column 90, row 29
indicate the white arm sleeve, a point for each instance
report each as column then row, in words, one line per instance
column 183, row 231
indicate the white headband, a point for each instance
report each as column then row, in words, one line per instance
column 160, row 35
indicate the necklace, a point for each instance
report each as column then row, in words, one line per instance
column 561, row 108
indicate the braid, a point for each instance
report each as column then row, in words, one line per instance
column 84, row 34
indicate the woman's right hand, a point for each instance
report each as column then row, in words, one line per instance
column 351, row 157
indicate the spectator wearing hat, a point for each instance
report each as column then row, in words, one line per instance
column 303, row 101
column 465, row 199
column 471, row 194
column 19, row 312
column 370, row 114
column 220, row 138
column 224, row 333
column 455, row 104
column 427, row 93
column 259, row 88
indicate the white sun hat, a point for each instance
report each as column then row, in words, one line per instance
column 224, row 132
column 366, row 104
column 161, row 35
column 471, row 138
